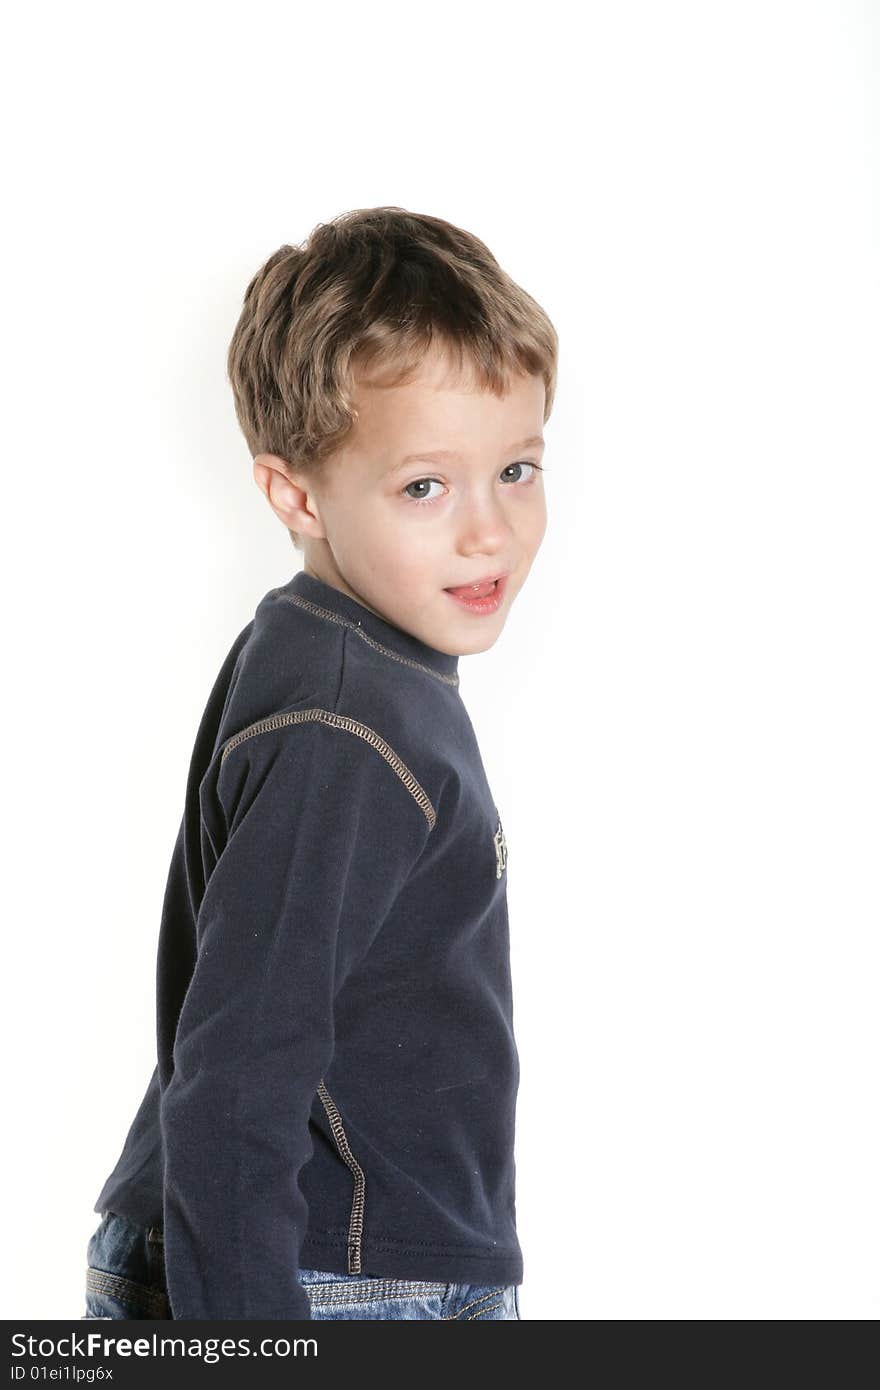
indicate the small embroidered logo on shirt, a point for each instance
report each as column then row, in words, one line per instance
column 500, row 848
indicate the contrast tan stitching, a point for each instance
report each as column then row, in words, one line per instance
column 365, row 637
column 370, row 1291
column 370, row 1301
column 356, row 1223
column 100, row 1281
column 475, row 1303
column 483, row 1311
column 353, row 726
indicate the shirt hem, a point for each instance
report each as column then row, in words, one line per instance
column 390, row 1257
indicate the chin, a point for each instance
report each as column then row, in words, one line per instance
column 444, row 647
column 482, row 645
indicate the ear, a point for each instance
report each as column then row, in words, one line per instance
column 290, row 494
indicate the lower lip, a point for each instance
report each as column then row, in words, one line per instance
column 490, row 603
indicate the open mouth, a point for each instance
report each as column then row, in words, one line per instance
column 479, row 588
column 483, row 597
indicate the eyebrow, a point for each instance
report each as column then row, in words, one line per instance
column 430, row 455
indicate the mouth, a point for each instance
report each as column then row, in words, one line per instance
column 482, row 595
column 477, row 584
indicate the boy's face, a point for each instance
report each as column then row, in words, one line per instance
column 365, row 530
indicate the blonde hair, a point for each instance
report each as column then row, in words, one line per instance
column 363, row 298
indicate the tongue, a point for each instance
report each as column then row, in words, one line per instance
column 474, row 590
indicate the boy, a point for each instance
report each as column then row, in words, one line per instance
column 329, row 1130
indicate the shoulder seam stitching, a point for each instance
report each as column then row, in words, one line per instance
column 350, row 725
column 365, row 637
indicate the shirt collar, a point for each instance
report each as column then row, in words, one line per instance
column 332, row 605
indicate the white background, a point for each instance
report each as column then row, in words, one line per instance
column 680, row 720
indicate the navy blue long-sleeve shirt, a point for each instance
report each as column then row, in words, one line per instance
column 337, row 1072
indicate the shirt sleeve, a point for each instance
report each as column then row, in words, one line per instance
column 321, row 823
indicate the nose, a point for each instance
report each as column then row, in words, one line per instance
column 483, row 529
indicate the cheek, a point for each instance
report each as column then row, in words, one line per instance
column 398, row 558
column 533, row 520
column 406, row 568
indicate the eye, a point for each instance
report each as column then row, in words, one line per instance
column 426, row 482
column 523, row 464
column 422, row 482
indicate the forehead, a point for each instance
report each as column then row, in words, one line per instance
column 443, row 407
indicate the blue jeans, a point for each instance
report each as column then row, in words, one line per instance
column 126, row 1279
